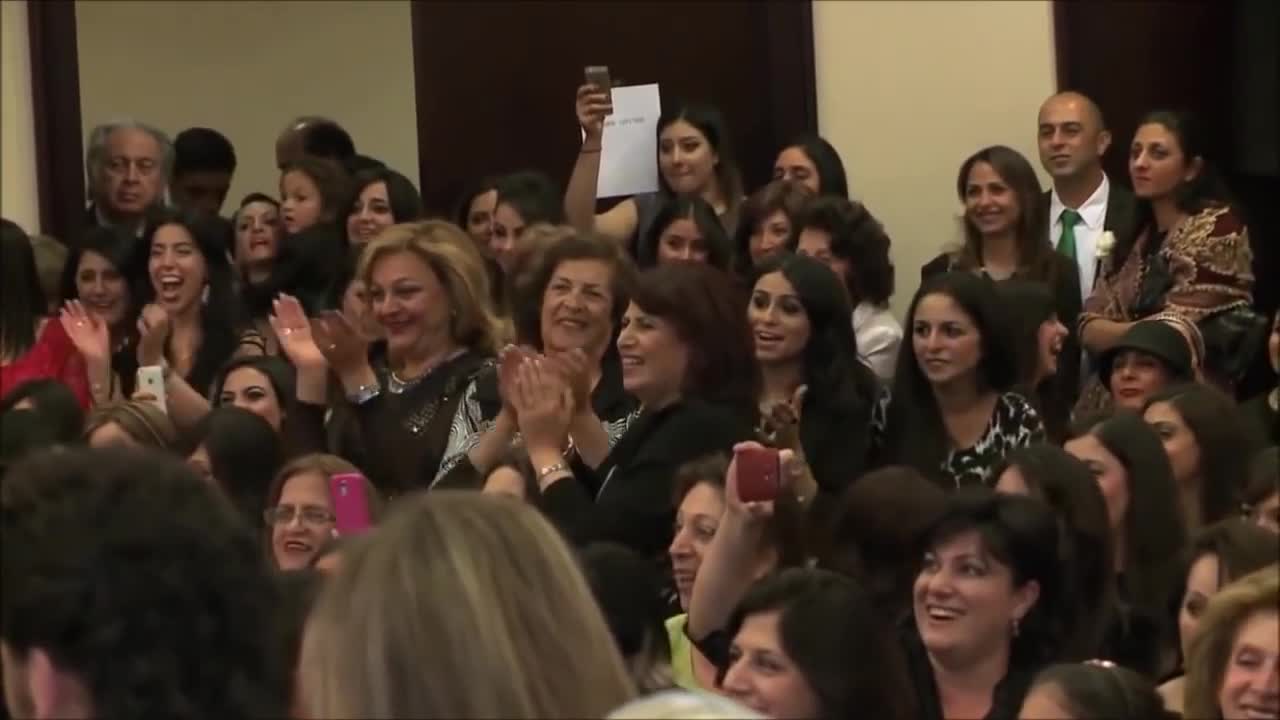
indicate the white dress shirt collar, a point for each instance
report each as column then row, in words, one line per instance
column 1093, row 213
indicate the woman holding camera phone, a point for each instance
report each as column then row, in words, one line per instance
column 695, row 158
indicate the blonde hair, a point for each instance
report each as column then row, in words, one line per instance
column 1211, row 647
column 460, row 605
column 452, row 255
column 141, row 421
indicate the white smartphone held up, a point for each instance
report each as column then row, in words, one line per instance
column 151, row 381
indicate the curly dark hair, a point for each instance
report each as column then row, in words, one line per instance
column 786, row 195
column 130, row 572
column 857, row 238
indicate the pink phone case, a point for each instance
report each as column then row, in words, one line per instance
column 350, row 503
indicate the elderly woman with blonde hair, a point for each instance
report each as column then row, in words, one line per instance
column 1234, row 666
column 495, row 621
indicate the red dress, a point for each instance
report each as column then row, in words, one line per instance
column 53, row 356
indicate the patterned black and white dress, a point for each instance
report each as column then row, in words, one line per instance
column 1014, row 424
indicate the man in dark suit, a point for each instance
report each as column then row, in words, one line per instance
column 1083, row 202
column 128, row 165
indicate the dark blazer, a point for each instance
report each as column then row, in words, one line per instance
column 1121, row 217
column 628, row 498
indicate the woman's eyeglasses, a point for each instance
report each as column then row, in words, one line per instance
column 310, row 514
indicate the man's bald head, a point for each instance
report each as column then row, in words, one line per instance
column 313, row 135
column 1072, row 136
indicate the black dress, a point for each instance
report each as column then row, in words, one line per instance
column 1006, row 698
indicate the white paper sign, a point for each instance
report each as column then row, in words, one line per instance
column 629, row 146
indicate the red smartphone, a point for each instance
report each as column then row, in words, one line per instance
column 759, row 474
column 350, row 503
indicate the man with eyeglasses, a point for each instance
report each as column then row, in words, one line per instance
column 127, row 164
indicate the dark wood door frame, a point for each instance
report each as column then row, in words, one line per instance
column 55, row 95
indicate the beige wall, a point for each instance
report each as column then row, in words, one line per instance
column 247, row 68
column 907, row 90
column 19, row 199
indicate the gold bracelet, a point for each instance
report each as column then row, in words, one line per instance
column 544, row 473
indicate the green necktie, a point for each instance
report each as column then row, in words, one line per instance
column 1067, row 241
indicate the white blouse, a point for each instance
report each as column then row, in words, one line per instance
column 879, row 335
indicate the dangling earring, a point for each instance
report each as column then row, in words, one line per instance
column 1015, row 627
column 204, row 295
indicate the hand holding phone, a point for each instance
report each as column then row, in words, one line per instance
column 150, row 382
column 350, row 503
column 759, row 473
column 598, row 75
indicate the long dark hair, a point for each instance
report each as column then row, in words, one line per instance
column 244, row 454
column 1220, row 432
column 709, row 121
column 832, row 181
column 1205, row 190
column 1065, row 484
column 827, row 624
column 719, row 246
column 1035, row 254
column 1030, row 304
column 1022, row 534
column 915, row 434
column 220, row 313
column 709, row 313
column 24, row 300
column 1154, row 532
column 402, row 196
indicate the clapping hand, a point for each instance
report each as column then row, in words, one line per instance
column 345, row 349
column 574, row 370
column 87, row 331
column 153, row 333
column 544, row 406
column 293, row 331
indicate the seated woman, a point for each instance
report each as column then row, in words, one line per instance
column 1039, row 339
column 1262, row 412
column 32, row 345
column 238, row 452
column 875, row 532
column 517, row 601
column 1233, row 662
column 695, row 158
column 429, row 295
column 686, row 357
column 1203, row 434
column 700, row 505
column 261, row 385
column 570, row 294
column 846, row 238
column 1219, row 554
column 1095, row 689
column 299, row 513
column 988, row 606
column 189, row 324
column 100, row 311
column 814, row 163
column 130, row 424
column 1149, row 357
column 685, row 228
column 1262, row 496
column 1004, row 237
column 380, row 198
column 1053, row 476
column 816, row 397
column 953, row 416
column 1147, row 535
column 767, row 223
column 788, row 644
column 1189, row 256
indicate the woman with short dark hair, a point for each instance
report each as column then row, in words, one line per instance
column 767, row 223
column 686, row 357
column 380, row 198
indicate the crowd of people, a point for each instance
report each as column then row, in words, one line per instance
column 332, row 457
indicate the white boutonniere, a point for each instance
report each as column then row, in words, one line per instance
column 1106, row 242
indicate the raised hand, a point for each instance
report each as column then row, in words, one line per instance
column 592, row 106
column 153, row 333
column 293, row 331
column 782, row 423
column 87, row 331
column 543, row 404
column 510, row 358
column 346, row 350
